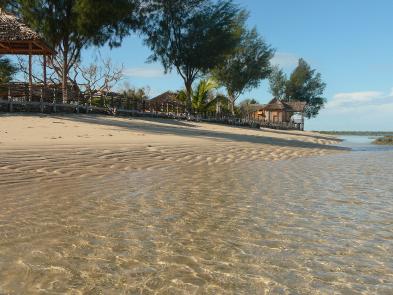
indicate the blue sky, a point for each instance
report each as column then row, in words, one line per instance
column 350, row 42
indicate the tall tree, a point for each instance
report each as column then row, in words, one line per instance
column 305, row 84
column 278, row 83
column 71, row 25
column 7, row 70
column 191, row 36
column 247, row 66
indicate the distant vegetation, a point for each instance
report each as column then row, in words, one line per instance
column 386, row 140
column 202, row 40
column 304, row 84
column 7, row 70
column 359, row 133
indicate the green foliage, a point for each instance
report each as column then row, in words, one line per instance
column 7, row 70
column 202, row 97
column 80, row 22
column 277, row 83
column 70, row 25
column 245, row 107
column 191, row 36
column 305, row 84
column 247, row 65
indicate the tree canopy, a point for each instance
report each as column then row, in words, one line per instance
column 305, row 84
column 191, row 36
column 7, row 70
column 71, row 25
column 277, row 83
column 247, row 65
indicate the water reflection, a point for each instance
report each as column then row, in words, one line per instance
column 303, row 226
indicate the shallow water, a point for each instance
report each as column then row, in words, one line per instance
column 316, row 225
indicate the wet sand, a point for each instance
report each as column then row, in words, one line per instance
column 93, row 204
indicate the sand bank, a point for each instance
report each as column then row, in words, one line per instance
column 48, row 131
column 73, row 146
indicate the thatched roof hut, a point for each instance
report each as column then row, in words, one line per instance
column 166, row 97
column 288, row 106
column 17, row 38
column 166, row 102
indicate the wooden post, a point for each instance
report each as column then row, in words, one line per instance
column 30, row 72
column 54, row 99
column 10, row 98
column 45, row 82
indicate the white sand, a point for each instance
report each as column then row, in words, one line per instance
column 48, row 131
column 79, row 145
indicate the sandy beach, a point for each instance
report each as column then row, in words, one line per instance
column 98, row 145
column 105, row 205
column 48, row 131
column 95, row 204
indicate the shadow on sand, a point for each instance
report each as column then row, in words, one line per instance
column 181, row 128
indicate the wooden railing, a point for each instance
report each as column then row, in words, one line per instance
column 18, row 97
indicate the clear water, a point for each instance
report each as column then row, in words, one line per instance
column 96, row 225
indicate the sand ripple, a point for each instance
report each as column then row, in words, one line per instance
column 157, row 219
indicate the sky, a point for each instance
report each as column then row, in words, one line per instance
column 350, row 42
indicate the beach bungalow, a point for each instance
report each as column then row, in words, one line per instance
column 167, row 103
column 278, row 113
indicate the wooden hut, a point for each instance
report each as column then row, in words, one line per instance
column 166, row 102
column 278, row 113
column 18, row 39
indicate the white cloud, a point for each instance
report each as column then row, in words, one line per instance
column 285, row 60
column 144, row 72
column 354, row 99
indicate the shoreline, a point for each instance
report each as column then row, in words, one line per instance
column 101, row 145
column 18, row 130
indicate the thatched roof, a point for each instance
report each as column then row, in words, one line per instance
column 17, row 38
column 296, row 106
column 289, row 106
column 255, row 107
column 166, row 97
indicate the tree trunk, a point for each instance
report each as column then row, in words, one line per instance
column 188, row 85
column 65, row 73
column 231, row 103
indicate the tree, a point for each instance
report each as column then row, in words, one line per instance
column 247, row 66
column 100, row 77
column 278, row 83
column 71, row 25
column 305, row 84
column 201, row 96
column 191, row 36
column 7, row 70
column 246, row 106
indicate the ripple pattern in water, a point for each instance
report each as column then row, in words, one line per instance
column 319, row 225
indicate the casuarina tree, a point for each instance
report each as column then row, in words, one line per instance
column 277, row 83
column 247, row 66
column 305, row 84
column 71, row 25
column 190, row 36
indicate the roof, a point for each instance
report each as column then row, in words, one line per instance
column 290, row 106
column 255, row 107
column 166, row 97
column 17, row 38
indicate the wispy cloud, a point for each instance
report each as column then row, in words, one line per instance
column 144, row 72
column 353, row 99
column 285, row 60
column 360, row 102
